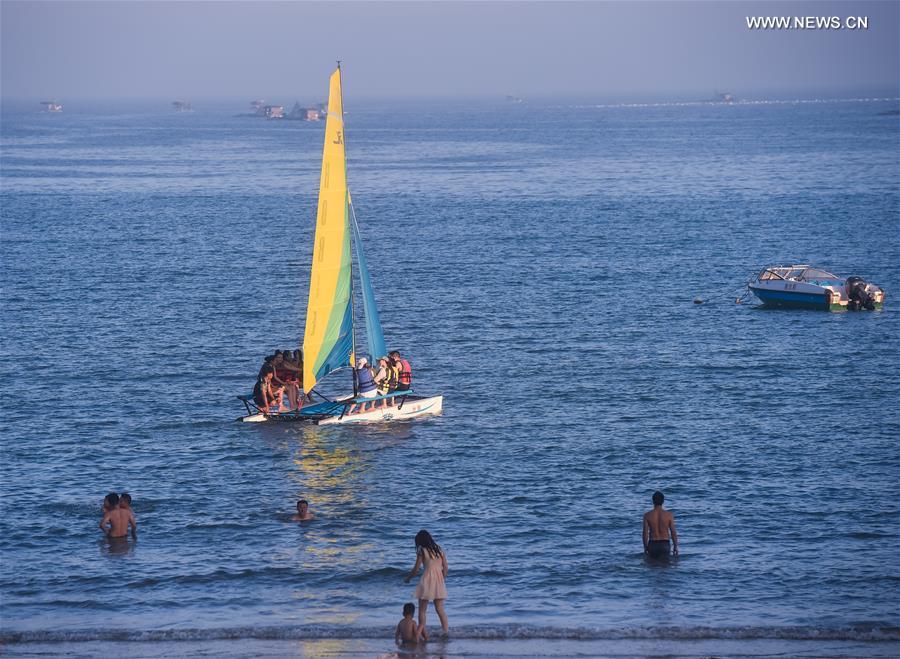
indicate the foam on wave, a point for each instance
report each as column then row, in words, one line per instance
column 468, row 632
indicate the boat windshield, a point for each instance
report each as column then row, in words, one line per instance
column 772, row 273
column 814, row 273
column 800, row 273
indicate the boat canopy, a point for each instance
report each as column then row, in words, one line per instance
column 797, row 273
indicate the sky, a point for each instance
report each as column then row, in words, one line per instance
column 660, row 50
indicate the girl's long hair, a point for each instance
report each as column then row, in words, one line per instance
column 425, row 541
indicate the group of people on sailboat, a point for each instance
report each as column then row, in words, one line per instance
column 280, row 376
column 391, row 374
column 329, row 336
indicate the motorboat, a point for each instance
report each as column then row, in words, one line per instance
column 806, row 287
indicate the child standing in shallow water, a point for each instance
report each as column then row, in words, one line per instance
column 431, row 586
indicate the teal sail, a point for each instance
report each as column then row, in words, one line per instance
column 374, row 333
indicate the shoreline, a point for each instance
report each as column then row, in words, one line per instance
column 384, row 647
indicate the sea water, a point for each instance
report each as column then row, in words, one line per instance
column 537, row 264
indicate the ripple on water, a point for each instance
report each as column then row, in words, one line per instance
column 546, row 291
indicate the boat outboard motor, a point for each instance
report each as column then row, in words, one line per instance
column 859, row 296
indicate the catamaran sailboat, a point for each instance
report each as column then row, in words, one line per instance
column 329, row 342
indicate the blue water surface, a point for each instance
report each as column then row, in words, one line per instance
column 537, row 264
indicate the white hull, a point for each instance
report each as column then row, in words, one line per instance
column 254, row 418
column 411, row 409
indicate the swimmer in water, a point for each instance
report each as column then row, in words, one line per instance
column 106, row 505
column 303, row 514
column 116, row 521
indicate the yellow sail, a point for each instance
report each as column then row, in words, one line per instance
column 328, row 337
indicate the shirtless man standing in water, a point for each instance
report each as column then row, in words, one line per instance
column 118, row 520
column 658, row 523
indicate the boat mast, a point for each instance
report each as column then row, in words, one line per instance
column 349, row 208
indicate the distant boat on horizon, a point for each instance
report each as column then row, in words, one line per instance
column 307, row 113
column 52, row 106
column 723, row 97
column 258, row 109
column 261, row 109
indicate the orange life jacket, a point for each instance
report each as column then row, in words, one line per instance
column 405, row 375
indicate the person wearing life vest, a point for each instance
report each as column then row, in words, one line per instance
column 404, row 371
column 386, row 379
column 366, row 383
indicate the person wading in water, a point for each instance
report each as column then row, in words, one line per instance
column 658, row 524
column 431, row 586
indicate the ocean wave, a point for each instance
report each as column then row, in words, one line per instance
column 467, row 632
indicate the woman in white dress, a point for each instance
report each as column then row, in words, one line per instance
column 431, row 586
